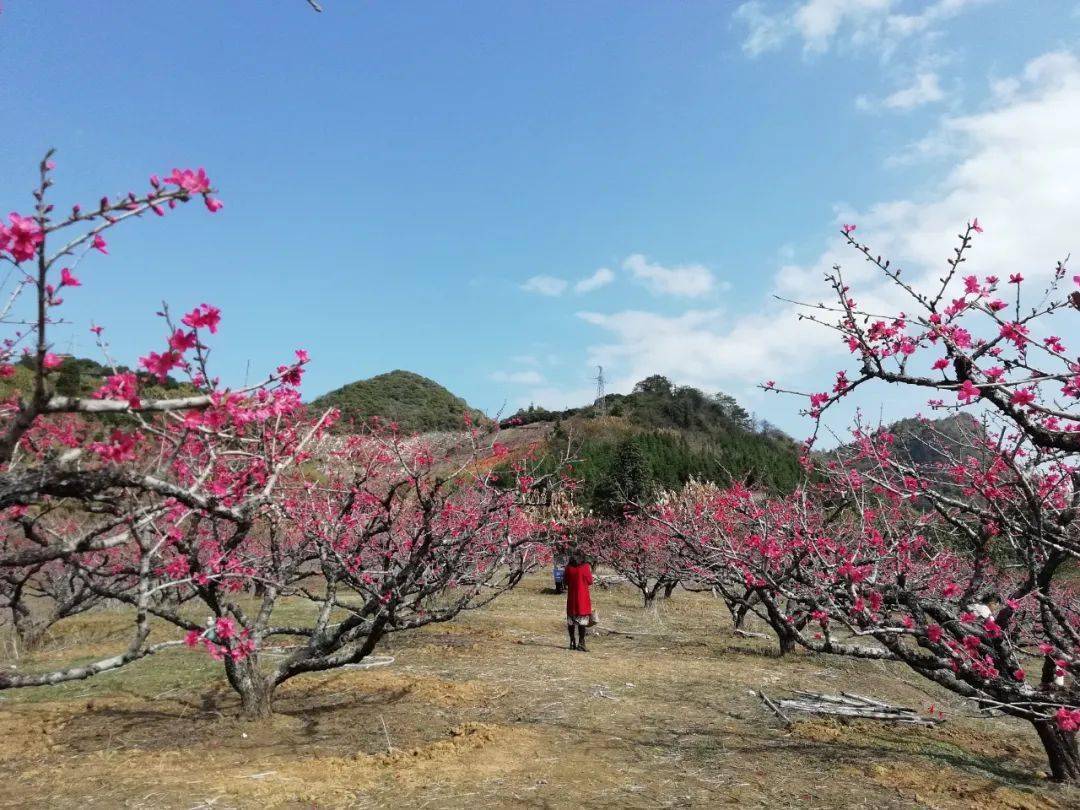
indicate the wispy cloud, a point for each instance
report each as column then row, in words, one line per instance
column 926, row 89
column 600, row 278
column 545, row 285
column 554, row 286
column 688, row 280
column 820, row 24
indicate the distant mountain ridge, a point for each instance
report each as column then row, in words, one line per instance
column 415, row 403
column 629, row 445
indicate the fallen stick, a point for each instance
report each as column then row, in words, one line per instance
column 863, row 698
column 774, row 708
column 749, row 633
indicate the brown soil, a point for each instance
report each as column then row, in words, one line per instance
column 494, row 711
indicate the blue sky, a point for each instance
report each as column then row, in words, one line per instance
column 426, row 185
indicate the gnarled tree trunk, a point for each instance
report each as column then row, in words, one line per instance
column 1061, row 751
column 255, row 689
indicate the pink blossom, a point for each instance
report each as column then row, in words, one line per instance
column 51, row 360
column 1015, row 278
column 68, row 280
column 847, row 229
column 1015, row 332
column 160, row 364
column 190, row 180
column 119, row 448
column 120, row 386
column 968, row 391
column 1022, row 396
column 224, row 627
column 975, row 226
column 99, row 244
column 182, row 341
column 961, row 337
column 1067, row 719
column 21, row 238
column 213, row 205
column 203, row 315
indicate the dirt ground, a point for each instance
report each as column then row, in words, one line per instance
column 493, row 711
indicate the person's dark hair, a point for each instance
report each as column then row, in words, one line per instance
column 575, row 558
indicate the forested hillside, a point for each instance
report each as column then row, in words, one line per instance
column 415, row 403
column 659, row 436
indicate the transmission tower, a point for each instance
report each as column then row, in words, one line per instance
column 600, row 402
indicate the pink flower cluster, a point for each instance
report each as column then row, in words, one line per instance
column 195, row 181
column 20, row 237
column 119, row 448
column 203, row 316
column 222, row 640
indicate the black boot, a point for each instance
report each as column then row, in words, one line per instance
column 581, row 638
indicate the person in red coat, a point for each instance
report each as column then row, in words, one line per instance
column 578, row 577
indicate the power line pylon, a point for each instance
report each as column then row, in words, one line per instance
column 601, row 404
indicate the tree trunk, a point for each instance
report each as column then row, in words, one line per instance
column 669, row 589
column 787, row 642
column 1061, row 751
column 650, row 600
column 256, row 691
column 28, row 630
column 738, row 614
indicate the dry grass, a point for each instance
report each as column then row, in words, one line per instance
column 493, row 711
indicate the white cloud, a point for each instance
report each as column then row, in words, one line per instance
column 765, row 32
column 705, row 348
column 524, row 377
column 818, row 21
column 600, row 278
column 553, row 286
column 690, row 280
column 821, row 24
column 926, row 89
column 545, row 285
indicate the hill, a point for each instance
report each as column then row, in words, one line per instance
column 416, row 403
column 81, row 377
column 659, row 436
column 935, row 441
column 923, row 442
